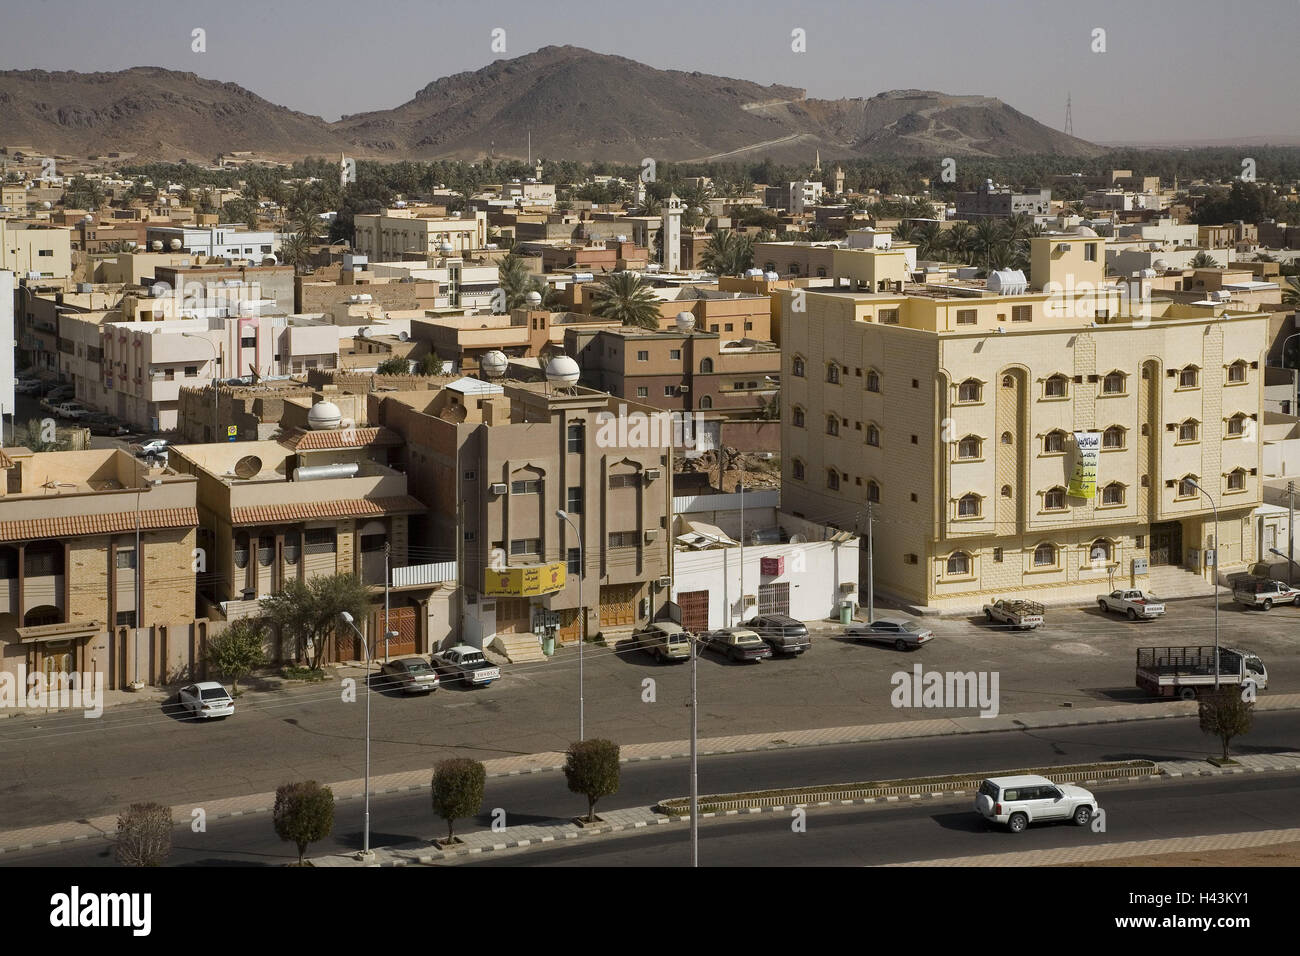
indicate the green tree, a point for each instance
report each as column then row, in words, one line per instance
column 144, row 835
column 394, row 366
column 591, row 769
column 1291, row 292
column 728, row 254
column 960, row 238
column 1203, row 260
column 458, row 786
column 308, row 612
column 32, row 436
column 514, row 280
column 295, row 250
column 303, row 814
column 237, row 650
column 1225, row 715
column 624, row 297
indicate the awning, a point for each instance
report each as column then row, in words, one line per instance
column 58, row 632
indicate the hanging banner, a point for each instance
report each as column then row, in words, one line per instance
column 1083, row 481
column 528, row 581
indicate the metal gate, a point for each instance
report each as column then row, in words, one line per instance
column 401, row 620
column 695, row 610
column 774, row 598
column 618, row 605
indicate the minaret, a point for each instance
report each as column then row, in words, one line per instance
column 817, row 164
column 838, row 180
column 671, row 253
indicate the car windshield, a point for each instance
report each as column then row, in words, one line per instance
column 213, row 693
column 473, row 659
column 910, row 627
column 417, row 667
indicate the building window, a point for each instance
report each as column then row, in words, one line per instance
column 1008, row 381
column 623, row 481
column 292, row 549
column 471, row 476
column 1113, row 437
column 706, row 401
column 997, row 555
column 675, row 354
column 1089, row 252
column 668, row 390
column 1236, row 372
column 1022, row 313
column 967, row 316
column 1099, row 551
column 266, row 547
column 573, row 558
column 969, row 447
column 873, row 435
column 523, row 546
column 643, row 356
column 1113, row 383
column 1113, row 494
column 1006, row 491
column 126, row 558
column 796, row 368
column 959, row 563
column 1188, row 430
column 1237, row 480
column 1189, row 377
column 1054, row 442
column 125, row 618
column 1187, row 487
column 796, row 469
column 321, row 541
column 1054, row 500
column 642, row 391
column 968, row 506
column 573, row 501
column 1045, row 556
column 622, row 539
column 1237, row 425
column 575, row 437
column 1006, row 438
column 832, row 479
column 969, row 391
column 833, row 373
column 832, row 425
column 528, row 486
column 873, row 492
column 1056, row 387
column 241, row 550
column 797, row 417
column 873, row 380
column 887, row 316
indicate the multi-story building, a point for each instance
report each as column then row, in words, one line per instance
column 498, row 460
column 72, row 601
column 27, row 248
column 226, row 241
column 464, row 340
column 1045, row 441
column 990, row 200
column 393, row 232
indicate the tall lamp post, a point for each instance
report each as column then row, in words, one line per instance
column 582, row 615
column 1215, row 508
column 216, row 360
column 365, row 846
column 148, row 484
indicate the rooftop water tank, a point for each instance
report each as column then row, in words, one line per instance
column 175, row 245
column 494, row 363
column 753, row 273
column 317, row 472
column 583, row 277
column 685, row 322
column 562, row 371
column 534, row 298
column 324, row 415
column 1007, row 282
column 770, row 276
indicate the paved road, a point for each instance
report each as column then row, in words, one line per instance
column 64, row 767
column 533, row 798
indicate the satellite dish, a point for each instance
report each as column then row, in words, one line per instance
column 403, row 336
column 797, row 539
column 248, row 467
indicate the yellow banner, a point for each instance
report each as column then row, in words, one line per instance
column 527, row 581
column 1083, row 481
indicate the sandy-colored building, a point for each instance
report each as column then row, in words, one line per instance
column 27, row 247
column 967, row 417
column 394, row 232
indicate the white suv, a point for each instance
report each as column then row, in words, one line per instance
column 1020, row 801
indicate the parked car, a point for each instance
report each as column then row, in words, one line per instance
column 1131, row 601
column 27, row 386
column 783, row 633
column 1016, row 802
column 206, row 699
column 71, row 410
column 106, row 426
column 1264, row 593
column 904, row 635
column 410, row 675
column 738, row 643
column 664, row 641
column 466, row 664
column 154, row 446
column 1025, row 615
column 59, row 393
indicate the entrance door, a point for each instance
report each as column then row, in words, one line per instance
column 695, row 610
column 774, row 598
column 514, row 615
column 1167, row 543
column 618, row 605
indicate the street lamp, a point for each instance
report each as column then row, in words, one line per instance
column 365, row 846
column 582, row 615
column 1291, row 562
column 216, row 360
column 149, row 483
column 1215, row 508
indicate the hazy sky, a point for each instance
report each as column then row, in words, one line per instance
column 1172, row 70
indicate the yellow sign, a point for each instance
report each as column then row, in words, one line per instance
column 527, row 581
column 1083, row 481
column 232, row 430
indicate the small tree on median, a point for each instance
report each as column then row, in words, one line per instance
column 237, row 650
column 144, row 835
column 304, row 814
column 458, row 786
column 1225, row 715
column 591, row 768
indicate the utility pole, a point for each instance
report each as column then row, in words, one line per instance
column 871, row 566
column 740, row 486
column 695, row 756
column 1290, row 532
column 387, row 632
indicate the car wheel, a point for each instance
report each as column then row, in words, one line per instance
column 1132, row 614
column 1105, row 608
column 1297, row 601
column 1018, row 823
column 988, row 616
column 1188, row 693
column 1268, row 604
column 900, row 645
column 1083, row 816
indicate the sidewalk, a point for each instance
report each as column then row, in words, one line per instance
column 105, row 826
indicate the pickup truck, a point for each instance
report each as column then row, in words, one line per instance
column 1025, row 615
column 1186, row 671
column 1131, row 601
column 466, row 664
column 1256, row 592
column 70, row 410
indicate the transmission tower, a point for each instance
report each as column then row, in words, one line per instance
column 1069, row 117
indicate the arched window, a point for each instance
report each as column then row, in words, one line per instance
column 821, row 272
column 969, row 447
column 241, row 549
column 833, row 373
column 1237, row 372
column 873, row 435
column 796, row 469
column 1008, row 381
column 706, row 366
column 1188, row 430
column 1189, row 377
column 1146, row 481
column 1237, row 479
column 1146, row 429
column 1045, row 555
column 1056, row 387
column 1113, row 494
column 706, row 401
column 1187, row 487
column 959, row 563
column 1006, row 438
column 1113, row 383
column 873, row 380
column 794, row 268
column 1054, row 499
column 1113, row 437
column 832, row 479
column 832, row 425
column 968, row 506
column 1006, row 491
column 1237, row 425
column 969, row 391
column 1054, row 442
column 1099, row 551
column 796, row 415
column 873, row 491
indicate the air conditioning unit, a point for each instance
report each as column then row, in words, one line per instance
column 664, row 582
column 652, row 473
column 683, row 389
column 499, row 488
column 651, row 536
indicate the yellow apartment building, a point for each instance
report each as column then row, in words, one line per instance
column 968, row 418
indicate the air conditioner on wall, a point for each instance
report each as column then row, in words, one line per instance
column 497, row 489
column 652, row 473
column 664, row 582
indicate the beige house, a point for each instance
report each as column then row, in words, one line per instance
column 953, row 412
column 393, row 232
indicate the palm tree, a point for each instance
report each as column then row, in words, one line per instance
column 904, row 232
column 1077, row 207
column 623, row 297
column 295, row 250
column 652, row 207
column 930, row 240
column 1291, row 292
column 988, row 237
column 960, row 239
column 728, row 254
column 514, row 280
column 1017, row 227
column 1203, row 260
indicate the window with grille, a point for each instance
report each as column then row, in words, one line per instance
column 126, row 558
column 1055, row 387
column 873, row 380
column 573, row 560
column 1054, row 500
column 292, row 548
column 796, row 469
column 1188, row 377
column 833, row 374
column 873, row 435
column 526, row 486
column 967, row 316
column 873, row 492
column 573, row 501
column 1113, row 494
column 1053, row 442
column 520, row 546
column 622, row 539
column 1187, row 431
column 833, row 480
column 1237, row 372
column 887, row 316
column 832, row 425
column 796, row 367
column 968, row 506
column 969, row 391
column 575, row 438
column 1187, row 488
column 266, row 550
column 1236, row 480
column 1022, row 313
column 1237, row 424
column 969, row 447
column 797, row 417
column 1113, row 384
column 1045, row 556
column 1113, row 437
column 321, row 541
column 959, row 563
column 622, row 481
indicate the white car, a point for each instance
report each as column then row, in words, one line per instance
column 468, row 664
column 1132, row 602
column 1016, row 802
column 156, row 446
column 206, row 699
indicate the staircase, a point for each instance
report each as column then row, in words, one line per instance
column 1170, row 581
column 519, row 648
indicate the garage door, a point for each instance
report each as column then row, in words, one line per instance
column 695, row 610
column 618, row 605
column 774, row 598
column 401, row 620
